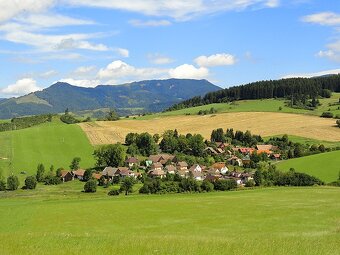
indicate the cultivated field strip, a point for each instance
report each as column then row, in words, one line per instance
column 263, row 123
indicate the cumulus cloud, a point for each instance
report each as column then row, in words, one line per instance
column 119, row 71
column 323, row 18
column 221, row 59
column 84, row 71
column 189, row 72
column 81, row 83
column 149, row 23
column 21, row 87
column 309, row 75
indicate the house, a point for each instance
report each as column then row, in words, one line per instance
column 156, row 166
column 96, row 176
column 212, row 178
column 157, row 173
column 268, row 147
column 213, row 171
column 268, row 152
column 182, row 166
column 221, row 167
column 237, row 179
column 78, row 174
column 162, row 158
column 123, row 172
column 132, row 161
column 246, row 177
column 181, row 173
column 211, row 151
column 235, row 161
column 198, row 176
column 195, row 168
column 222, row 145
column 246, row 160
column 276, row 156
column 171, row 169
column 66, row 176
column 246, row 150
column 109, row 172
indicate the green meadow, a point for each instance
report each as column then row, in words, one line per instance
column 261, row 105
column 52, row 143
column 259, row 221
column 325, row 166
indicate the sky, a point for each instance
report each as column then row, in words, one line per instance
column 110, row 42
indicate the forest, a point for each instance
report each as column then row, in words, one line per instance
column 300, row 91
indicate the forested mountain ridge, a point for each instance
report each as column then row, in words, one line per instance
column 135, row 97
column 297, row 89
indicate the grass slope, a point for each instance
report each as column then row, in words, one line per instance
column 50, row 143
column 262, row 221
column 325, row 166
column 264, row 105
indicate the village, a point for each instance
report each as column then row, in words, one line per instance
column 235, row 167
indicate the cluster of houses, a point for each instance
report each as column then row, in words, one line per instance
column 240, row 156
column 162, row 164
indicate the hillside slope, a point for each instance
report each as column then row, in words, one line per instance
column 145, row 96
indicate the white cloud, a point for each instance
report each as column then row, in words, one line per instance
column 12, row 8
column 309, row 75
column 221, row 59
column 84, row 71
column 323, row 18
column 21, row 87
column 149, row 23
column 81, row 83
column 123, row 52
column 177, row 9
column 189, row 72
column 159, row 59
column 119, row 71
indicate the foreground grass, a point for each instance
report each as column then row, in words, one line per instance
column 52, row 143
column 260, row 221
column 325, row 166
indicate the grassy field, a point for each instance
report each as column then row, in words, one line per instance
column 52, row 143
column 264, row 105
column 263, row 123
column 326, row 166
column 260, row 221
column 309, row 141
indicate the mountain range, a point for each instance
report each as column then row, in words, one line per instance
column 130, row 98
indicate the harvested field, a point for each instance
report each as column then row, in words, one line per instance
column 263, row 123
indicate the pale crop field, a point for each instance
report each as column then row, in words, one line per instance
column 262, row 123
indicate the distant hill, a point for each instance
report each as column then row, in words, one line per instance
column 135, row 97
column 298, row 90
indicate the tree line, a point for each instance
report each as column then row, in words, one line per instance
column 294, row 89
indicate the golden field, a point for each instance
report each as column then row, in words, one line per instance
column 262, row 123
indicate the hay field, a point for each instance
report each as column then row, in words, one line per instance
column 263, row 123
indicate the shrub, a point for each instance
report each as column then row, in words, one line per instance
column 30, row 182
column 225, row 184
column 2, row 185
column 113, row 192
column 250, row 183
column 327, row 115
column 337, row 116
column 52, row 180
column 338, row 123
column 12, row 182
column 207, row 186
column 90, row 186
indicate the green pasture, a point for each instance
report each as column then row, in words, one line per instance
column 52, row 143
column 325, row 166
column 259, row 221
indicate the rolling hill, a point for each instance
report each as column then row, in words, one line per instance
column 136, row 97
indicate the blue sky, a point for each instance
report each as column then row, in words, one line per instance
column 87, row 42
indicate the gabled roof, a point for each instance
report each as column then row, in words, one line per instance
column 156, row 165
column 194, row 167
column 123, row 171
column 109, row 171
column 170, row 168
column 132, row 160
column 211, row 149
column 182, row 164
column 64, row 173
column 79, row 172
column 157, row 172
column 96, row 176
column 218, row 165
column 269, row 147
